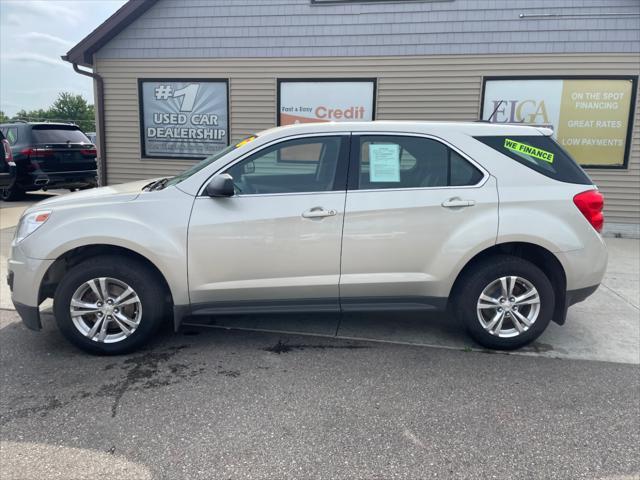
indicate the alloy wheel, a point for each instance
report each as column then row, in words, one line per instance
column 508, row 306
column 105, row 310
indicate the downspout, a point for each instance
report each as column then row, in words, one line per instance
column 102, row 144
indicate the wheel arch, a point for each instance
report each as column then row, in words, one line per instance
column 76, row 255
column 543, row 258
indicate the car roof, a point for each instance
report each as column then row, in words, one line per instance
column 55, row 124
column 468, row 128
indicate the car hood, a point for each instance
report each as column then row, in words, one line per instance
column 118, row 193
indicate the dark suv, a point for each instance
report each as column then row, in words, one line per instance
column 49, row 155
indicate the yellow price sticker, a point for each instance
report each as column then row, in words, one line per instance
column 245, row 141
column 528, row 150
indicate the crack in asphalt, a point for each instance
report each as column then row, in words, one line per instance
column 281, row 347
column 51, row 403
column 142, row 372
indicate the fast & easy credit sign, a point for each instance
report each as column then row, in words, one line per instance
column 307, row 101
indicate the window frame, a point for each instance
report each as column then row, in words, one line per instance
column 354, row 162
column 340, row 176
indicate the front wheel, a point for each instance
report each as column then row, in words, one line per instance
column 505, row 302
column 109, row 305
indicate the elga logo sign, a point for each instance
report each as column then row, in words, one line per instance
column 308, row 101
column 524, row 111
column 184, row 119
column 589, row 117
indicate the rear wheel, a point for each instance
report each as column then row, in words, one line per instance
column 11, row 193
column 505, row 302
column 109, row 305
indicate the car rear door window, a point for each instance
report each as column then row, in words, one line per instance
column 539, row 153
column 57, row 134
column 293, row 166
column 390, row 161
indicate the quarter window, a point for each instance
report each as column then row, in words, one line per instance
column 539, row 153
column 302, row 165
column 411, row 162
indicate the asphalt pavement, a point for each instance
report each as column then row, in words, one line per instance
column 223, row 404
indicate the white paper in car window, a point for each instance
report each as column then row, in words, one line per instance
column 384, row 162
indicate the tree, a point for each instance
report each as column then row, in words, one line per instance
column 67, row 108
column 3, row 117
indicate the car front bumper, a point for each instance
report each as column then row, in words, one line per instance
column 30, row 316
column 24, row 278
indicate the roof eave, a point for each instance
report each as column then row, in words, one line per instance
column 82, row 53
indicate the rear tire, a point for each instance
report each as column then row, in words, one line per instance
column 129, row 322
column 499, row 320
column 11, row 194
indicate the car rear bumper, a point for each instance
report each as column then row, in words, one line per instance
column 586, row 267
column 580, row 295
column 71, row 179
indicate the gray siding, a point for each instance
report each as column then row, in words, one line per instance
column 296, row 28
column 409, row 88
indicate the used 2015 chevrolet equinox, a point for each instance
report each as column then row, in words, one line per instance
column 497, row 223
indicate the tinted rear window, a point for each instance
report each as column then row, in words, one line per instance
column 540, row 153
column 58, row 134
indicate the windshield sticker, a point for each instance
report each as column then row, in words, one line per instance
column 528, row 150
column 384, row 162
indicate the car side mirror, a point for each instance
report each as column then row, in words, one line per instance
column 221, row 186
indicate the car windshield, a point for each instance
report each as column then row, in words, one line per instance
column 58, row 134
column 199, row 166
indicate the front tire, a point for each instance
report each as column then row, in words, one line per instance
column 109, row 305
column 504, row 302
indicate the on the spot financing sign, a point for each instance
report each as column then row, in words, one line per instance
column 590, row 117
column 183, row 118
column 309, row 101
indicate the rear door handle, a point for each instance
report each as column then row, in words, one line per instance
column 457, row 202
column 318, row 212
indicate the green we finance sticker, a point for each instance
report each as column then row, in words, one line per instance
column 528, row 150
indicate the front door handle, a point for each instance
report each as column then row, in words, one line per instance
column 457, row 202
column 318, row 212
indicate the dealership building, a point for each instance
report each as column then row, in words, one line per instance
column 176, row 80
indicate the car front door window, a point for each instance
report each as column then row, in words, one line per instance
column 293, row 166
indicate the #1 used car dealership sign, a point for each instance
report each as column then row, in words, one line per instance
column 590, row 117
column 183, row 119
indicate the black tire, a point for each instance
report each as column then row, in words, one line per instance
column 479, row 276
column 138, row 276
column 10, row 194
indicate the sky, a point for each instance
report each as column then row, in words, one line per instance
column 33, row 36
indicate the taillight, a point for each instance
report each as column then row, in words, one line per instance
column 88, row 152
column 590, row 203
column 8, row 154
column 37, row 152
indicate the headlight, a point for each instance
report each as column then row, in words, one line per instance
column 30, row 223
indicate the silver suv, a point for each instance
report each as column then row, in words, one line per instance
column 496, row 223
